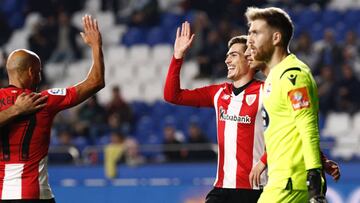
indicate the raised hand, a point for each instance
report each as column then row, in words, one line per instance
column 91, row 34
column 29, row 103
column 183, row 40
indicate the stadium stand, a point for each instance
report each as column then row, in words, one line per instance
column 137, row 59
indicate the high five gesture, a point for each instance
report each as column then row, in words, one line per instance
column 183, row 40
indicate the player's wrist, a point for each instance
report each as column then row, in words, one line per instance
column 178, row 55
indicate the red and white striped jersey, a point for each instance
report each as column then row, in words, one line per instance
column 24, row 144
column 239, row 125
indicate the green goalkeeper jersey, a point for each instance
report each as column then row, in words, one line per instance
column 291, row 120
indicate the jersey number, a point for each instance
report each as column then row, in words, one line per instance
column 25, row 139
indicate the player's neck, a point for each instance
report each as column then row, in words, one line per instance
column 243, row 80
column 18, row 83
column 278, row 55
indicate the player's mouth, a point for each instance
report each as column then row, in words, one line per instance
column 231, row 68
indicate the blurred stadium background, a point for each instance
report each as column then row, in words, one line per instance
column 156, row 152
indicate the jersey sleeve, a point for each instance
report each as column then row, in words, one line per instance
column 174, row 94
column 300, row 94
column 60, row 98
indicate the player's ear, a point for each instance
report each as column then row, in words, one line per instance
column 276, row 38
column 30, row 72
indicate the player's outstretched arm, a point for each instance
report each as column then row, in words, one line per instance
column 183, row 40
column 95, row 79
column 24, row 104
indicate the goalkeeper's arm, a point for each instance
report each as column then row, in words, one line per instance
column 315, row 187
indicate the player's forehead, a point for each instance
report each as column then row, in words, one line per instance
column 258, row 24
column 237, row 48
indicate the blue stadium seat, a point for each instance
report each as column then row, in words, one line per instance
column 140, row 108
column 103, row 140
column 340, row 31
column 317, row 31
column 351, row 17
column 170, row 20
column 307, row 17
column 134, row 35
column 156, row 35
column 80, row 142
column 330, row 17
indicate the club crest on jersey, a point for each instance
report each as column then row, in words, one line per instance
column 225, row 97
column 268, row 89
column 299, row 98
column 240, row 119
column 250, row 99
column 57, row 91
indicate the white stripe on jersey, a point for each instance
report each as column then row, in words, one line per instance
column 45, row 190
column 216, row 98
column 259, row 142
column 230, row 142
column 12, row 181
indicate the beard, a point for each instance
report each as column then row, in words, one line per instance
column 264, row 53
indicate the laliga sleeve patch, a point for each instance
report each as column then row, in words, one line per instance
column 299, row 98
column 57, row 91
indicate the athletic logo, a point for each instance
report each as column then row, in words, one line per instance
column 225, row 97
column 57, row 91
column 240, row 119
column 299, row 98
column 250, row 99
column 14, row 91
column 292, row 78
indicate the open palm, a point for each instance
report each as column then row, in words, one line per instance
column 183, row 40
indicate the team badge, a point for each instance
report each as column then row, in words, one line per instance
column 14, row 91
column 250, row 99
column 267, row 89
column 225, row 97
column 57, row 91
column 299, row 98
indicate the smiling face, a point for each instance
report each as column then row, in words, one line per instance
column 236, row 62
column 260, row 40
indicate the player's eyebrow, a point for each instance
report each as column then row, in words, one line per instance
column 233, row 52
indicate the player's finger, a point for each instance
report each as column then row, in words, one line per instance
column 87, row 23
column 251, row 179
column 183, row 29
column 191, row 39
column 22, row 94
column 257, row 182
column 178, row 32
column 35, row 97
column 84, row 24
column 186, row 29
column 91, row 23
column 40, row 106
column 96, row 25
column 41, row 100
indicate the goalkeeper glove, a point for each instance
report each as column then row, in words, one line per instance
column 314, row 186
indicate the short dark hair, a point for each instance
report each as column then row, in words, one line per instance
column 241, row 39
column 274, row 17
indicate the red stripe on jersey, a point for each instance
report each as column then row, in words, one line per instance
column 2, row 174
column 246, row 135
column 221, row 144
column 30, row 182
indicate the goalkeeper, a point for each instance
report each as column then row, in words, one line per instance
column 290, row 113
